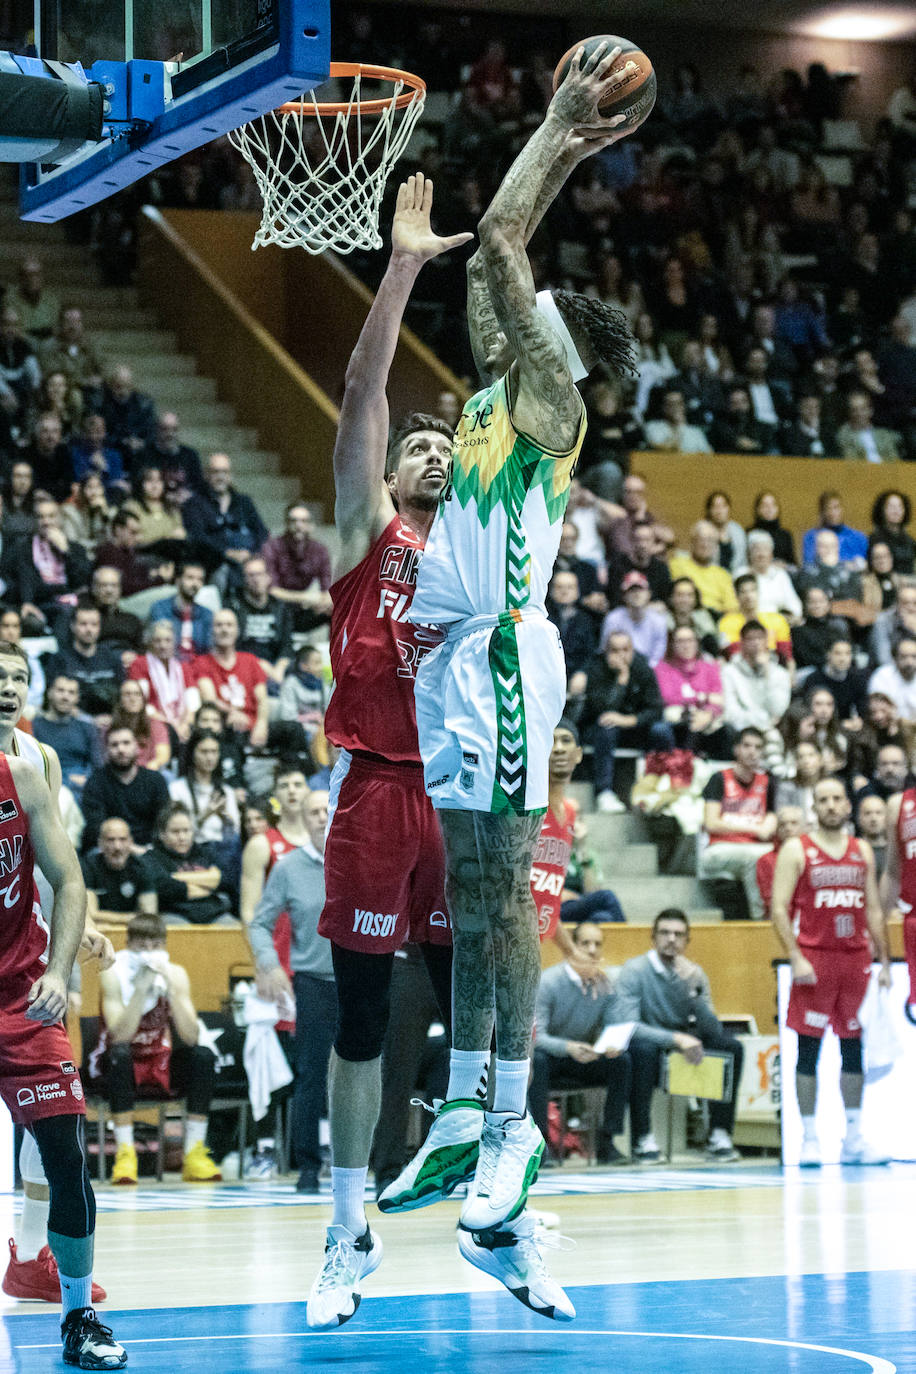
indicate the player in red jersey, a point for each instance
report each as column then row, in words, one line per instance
column 31, row 1273
column 554, row 849
column 38, row 1078
column 827, row 913
column 554, row 845
column 384, row 869
column 898, row 882
column 258, row 858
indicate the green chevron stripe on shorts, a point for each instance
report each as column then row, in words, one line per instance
column 510, row 783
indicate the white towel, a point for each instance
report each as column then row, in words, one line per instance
column 265, row 1063
column 880, row 1032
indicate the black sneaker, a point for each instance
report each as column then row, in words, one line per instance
column 609, row 1154
column 88, row 1344
column 307, row 1182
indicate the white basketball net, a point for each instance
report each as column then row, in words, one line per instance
column 322, row 177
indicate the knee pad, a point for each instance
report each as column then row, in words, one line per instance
column 809, row 1047
column 363, row 1000
column 61, row 1141
column 30, row 1165
column 361, row 1027
column 850, row 1056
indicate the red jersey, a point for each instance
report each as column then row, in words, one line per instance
column 740, row 799
column 906, row 849
column 277, row 846
column 549, row 865
column 234, row 686
column 375, row 650
column 24, row 933
column 829, row 902
column 173, row 707
column 765, row 869
column 150, row 1050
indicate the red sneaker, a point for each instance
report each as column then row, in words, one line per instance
column 37, row 1279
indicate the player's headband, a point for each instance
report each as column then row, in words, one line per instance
column 548, row 308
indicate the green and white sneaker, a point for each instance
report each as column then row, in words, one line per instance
column 446, row 1158
column 512, row 1254
column 510, row 1155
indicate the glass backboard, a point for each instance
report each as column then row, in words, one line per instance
column 227, row 62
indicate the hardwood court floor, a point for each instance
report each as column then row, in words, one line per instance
column 744, row 1269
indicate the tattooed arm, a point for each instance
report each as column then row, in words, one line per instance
column 547, row 405
column 363, row 506
column 483, row 326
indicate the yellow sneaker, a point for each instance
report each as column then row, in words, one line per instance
column 199, row 1165
column 125, row 1165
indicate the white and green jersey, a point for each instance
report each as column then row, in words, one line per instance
column 496, row 533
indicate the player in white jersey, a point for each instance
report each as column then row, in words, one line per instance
column 31, row 1272
column 489, row 697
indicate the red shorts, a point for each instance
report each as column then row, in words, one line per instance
column 909, row 952
column 834, row 1000
column 38, row 1075
column 384, row 865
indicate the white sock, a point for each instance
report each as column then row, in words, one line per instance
column 467, row 1074
column 809, row 1127
column 195, row 1133
column 348, row 1190
column 719, row 1136
column 75, row 1293
column 853, row 1123
column 124, row 1135
column 510, row 1093
column 33, row 1227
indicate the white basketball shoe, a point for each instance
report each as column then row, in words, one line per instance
column 512, row 1254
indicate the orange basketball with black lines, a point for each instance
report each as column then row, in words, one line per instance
column 636, row 97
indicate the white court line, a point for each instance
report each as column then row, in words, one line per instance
column 875, row 1363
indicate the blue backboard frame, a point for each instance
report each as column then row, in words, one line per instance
column 228, row 88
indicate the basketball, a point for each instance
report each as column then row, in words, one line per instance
column 636, row 97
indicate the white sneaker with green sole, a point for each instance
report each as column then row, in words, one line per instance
column 447, row 1157
column 511, row 1147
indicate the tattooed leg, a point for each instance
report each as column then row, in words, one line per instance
column 496, row 950
column 506, row 845
column 472, row 940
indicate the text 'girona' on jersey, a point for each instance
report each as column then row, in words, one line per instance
column 375, row 650
column 496, row 533
column 829, row 906
column 549, row 864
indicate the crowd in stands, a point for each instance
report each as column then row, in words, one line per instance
column 768, row 671
column 175, row 642
column 167, row 629
column 774, row 308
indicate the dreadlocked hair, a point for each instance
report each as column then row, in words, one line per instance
column 607, row 329
column 410, row 424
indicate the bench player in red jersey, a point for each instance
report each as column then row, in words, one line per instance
column 384, row 867
column 38, row 1078
column 898, row 882
column 827, row 913
column 291, row 790
column 560, row 830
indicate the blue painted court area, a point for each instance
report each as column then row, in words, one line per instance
column 815, row 1324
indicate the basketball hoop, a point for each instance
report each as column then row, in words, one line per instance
column 321, row 166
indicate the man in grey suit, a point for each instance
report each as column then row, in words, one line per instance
column 569, row 1018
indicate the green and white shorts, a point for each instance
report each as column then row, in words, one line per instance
column 488, row 699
